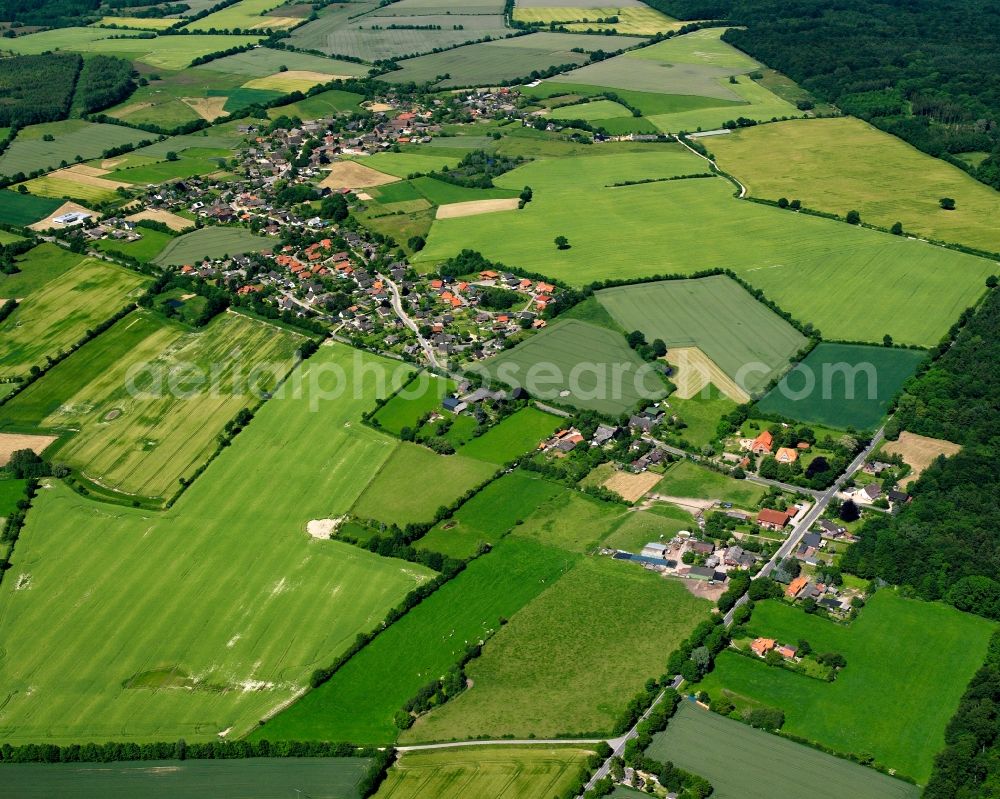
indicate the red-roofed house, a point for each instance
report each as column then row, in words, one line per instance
column 762, row 444
column 761, row 646
column 796, row 585
column 774, row 519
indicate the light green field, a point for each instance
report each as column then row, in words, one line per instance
column 640, row 527
column 145, row 249
column 403, row 164
column 73, row 137
column 579, row 364
column 715, row 314
column 245, row 15
column 512, row 437
column 359, row 701
column 761, row 105
column 744, row 763
column 896, row 715
column 11, row 492
column 885, row 284
column 212, row 242
column 573, row 521
column 63, row 187
column 36, row 268
column 703, row 46
column 701, row 413
column 59, row 313
column 156, row 437
column 406, row 408
column 319, row 105
column 649, row 103
column 521, row 771
column 553, row 670
column 6, row 237
column 836, row 165
column 415, row 482
column 153, row 626
column 589, row 112
column 686, row 479
column 141, row 23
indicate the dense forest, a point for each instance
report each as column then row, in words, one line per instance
column 923, row 70
column 945, row 543
column 104, row 81
column 55, row 13
column 37, row 88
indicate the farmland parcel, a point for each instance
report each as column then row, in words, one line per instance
column 211, row 242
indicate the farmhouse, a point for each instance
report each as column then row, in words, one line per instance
column 774, row 520
column 762, row 444
column 786, row 455
column 761, row 646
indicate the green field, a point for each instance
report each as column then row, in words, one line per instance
column 513, row 436
column 64, row 187
column 262, row 61
column 190, row 162
column 885, row 284
column 573, row 521
column 145, row 249
column 842, row 385
column 507, row 771
column 140, row 626
column 37, row 267
column 324, row 104
column 413, row 401
column 686, row 479
column 155, row 435
column 358, row 703
column 438, row 192
column 701, row 414
column 211, row 242
column 490, row 514
column 72, row 138
column 649, row 103
column 408, row 163
column 836, row 165
column 591, row 111
column 24, row 209
column 639, row 528
column 745, row 763
column 316, row 777
column 747, row 340
column 579, row 364
column 414, row 482
column 553, row 670
column 896, row 715
column 58, row 315
column 11, row 492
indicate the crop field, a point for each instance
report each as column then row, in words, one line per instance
column 406, row 408
column 745, row 763
column 579, row 364
column 896, row 715
column 64, row 184
column 512, row 437
column 527, row 772
column 414, row 482
column 72, row 138
column 139, row 626
column 190, row 162
column 316, row 777
column 490, row 514
column 591, row 111
column 140, row 23
column 548, row 672
column 134, row 435
column 319, row 105
column 23, row 209
column 60, row 312
column 760, row 104
column 843, row 385
column 359, row 701
column 886, row 284
column 262, row 61
column 715, row 314
column 633, row 18
column 211, row 242
column 884, row 179
column 686, row 479
column 437, row 192
column 649, row 103
column 245, row 15
column 36, row 268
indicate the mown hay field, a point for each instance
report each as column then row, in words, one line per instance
column 151, row 626
column 359, row 701
column 744, row 763
column 521, row 771
column 748, row 341
column 125, row 429
column 899, row 715
column 836, row 165
column 849, row 282
column 211, row 242
column 58, row 315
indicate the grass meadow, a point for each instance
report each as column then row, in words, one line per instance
column 145, row 249
column 150, row 626
column 36, row 268
column 851, row 283
column 359, row 701
column 819, row 390
column 579, row 364
column 191, row 161
column 649, row 103
column 211, row 242
column 319, row 105
column 715, row 314
column 639, row 528
column 74, row 139
column 512, row 437
column 404, row 410
column 896, row 715
column 836, row 165
column 262, row 61
column 551, row 670
column 686, row 479
column 701, row 414
column 154, row 437
column 58, row 315
column 745, row 763
column 24, row 209
column 521, row 771
column 573, row 521
column 11, row 492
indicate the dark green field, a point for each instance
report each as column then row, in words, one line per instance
column 24, row 209
column 842, row 385
column 513, row 436
column 10, row 492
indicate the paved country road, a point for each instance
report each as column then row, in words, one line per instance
column 397, row 307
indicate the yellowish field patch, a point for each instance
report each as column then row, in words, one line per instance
column 12, row 442
column 351, row 175
column 84, row 169
column 475, row 207
column 919, row 452
column 172, row 221
column 292, row 80
column 65, row 208
column 377, row 108
column 208, row 108
column 631, row 19
column 137, row 22
column 694, row 370
column 632, row 487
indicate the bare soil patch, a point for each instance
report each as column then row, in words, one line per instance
column 172, row 221
column 323, row 528
column 351, row 175
column 12, row 442
column 691, row 504
column 701, row 588
column 631, row 487
column 919, row 452
column 83, row 169
column 377, row 108
column 65, row 208
column 208, row 108
column 476, row 207
column 694, row 370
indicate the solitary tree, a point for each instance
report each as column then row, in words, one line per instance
column 947, row 203
column 896, row 229
column 849, row 511
column 853, row 218
column 562, row 243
